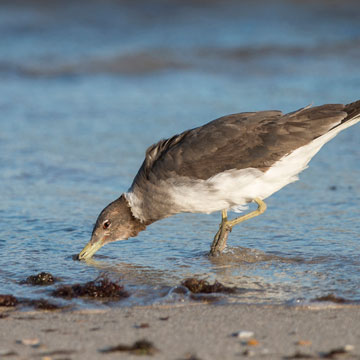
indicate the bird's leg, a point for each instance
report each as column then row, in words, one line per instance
column 221, row 236
column 226, row 226
column 260, row 210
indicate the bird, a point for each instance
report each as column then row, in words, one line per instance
column 221, row 166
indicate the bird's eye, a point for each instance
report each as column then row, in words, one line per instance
column 106, row 224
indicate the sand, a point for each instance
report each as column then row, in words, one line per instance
column 199, row 331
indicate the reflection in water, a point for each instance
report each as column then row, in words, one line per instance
column 133, row 274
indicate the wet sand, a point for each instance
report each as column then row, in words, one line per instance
column 199, row 331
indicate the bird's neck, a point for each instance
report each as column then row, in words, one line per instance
column 135, row 224
column 148, row 206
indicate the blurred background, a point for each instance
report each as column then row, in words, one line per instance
column 87, row 86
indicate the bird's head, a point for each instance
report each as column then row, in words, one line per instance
column 115, row 222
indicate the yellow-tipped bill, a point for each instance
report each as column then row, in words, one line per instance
column 90, row 249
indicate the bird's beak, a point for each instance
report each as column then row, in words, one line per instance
column 90, row 249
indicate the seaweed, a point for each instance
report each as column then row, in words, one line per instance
column 8, row 353
column 42, row 304
column 101, row 288
column 197, row 286
column 332, row 298
column 299, row 355
column 41, row 279
column 140, row 347
column 331, row 354
column 49, row 330
column 142, row 326
column 57, row 352
column 338, row 351
column 8, row 300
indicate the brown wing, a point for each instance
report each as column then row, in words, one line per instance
column 238, row 141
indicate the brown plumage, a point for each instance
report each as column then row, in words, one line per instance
column 242, row 149
column 240, row 141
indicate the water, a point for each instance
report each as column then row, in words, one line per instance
column 86, row 87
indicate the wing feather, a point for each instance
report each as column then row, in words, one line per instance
column 238, row 141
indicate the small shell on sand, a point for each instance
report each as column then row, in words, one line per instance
column 244, row 334
column 30, row 342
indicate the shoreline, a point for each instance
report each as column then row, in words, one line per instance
column 191, row 331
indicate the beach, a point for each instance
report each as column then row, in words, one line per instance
column 198, row 331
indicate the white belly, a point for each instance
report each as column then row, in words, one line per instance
column 233, row 189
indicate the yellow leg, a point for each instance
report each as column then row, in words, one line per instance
column 221, row 236
column 226, row 226
column 260, row 210
column 223, row 216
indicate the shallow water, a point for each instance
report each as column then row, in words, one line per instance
column 84, row 89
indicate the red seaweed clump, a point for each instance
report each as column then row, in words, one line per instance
column 42, row 278
column 8, row 300
column 101, row 288
column 197, row 286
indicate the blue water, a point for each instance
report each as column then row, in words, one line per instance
column 85, row 87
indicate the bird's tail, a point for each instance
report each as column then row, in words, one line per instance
column 353, row 111
column 353, row 117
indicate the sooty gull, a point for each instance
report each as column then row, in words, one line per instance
column 220, row 166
